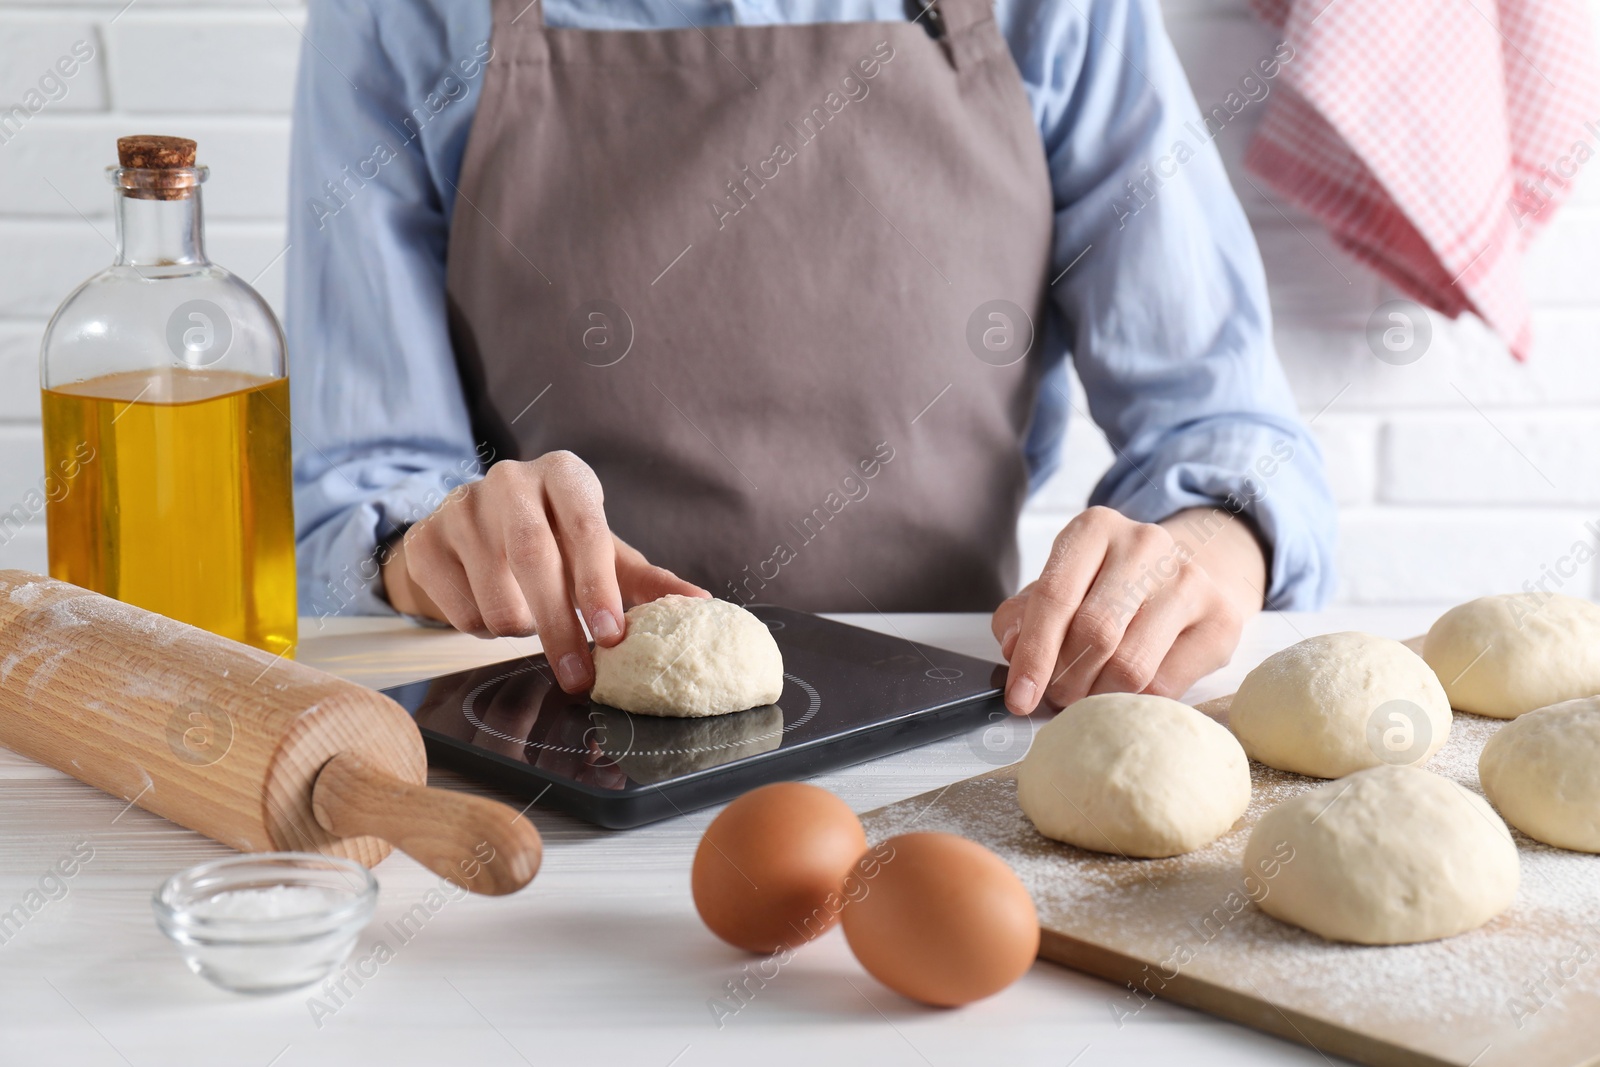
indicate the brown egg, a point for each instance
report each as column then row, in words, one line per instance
column 940, row 919
column 769, row 873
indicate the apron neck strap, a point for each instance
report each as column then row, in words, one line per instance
column 949, row 18
column 526, row 14
column 944, row 17
column 959, row 25
column 518, row 34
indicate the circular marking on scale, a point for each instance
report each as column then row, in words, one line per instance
column 943, row 674
column 471, row 715
column 469, row 712
column 597, row 725
column 774, row 625
column 813, row 702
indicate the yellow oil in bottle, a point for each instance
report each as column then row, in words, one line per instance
column 174, row 494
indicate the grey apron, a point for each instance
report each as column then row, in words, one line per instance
column 775, row 285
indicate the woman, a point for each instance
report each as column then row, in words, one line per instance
column 771, row 300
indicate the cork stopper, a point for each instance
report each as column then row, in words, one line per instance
column 157, row 168
column 149, row 152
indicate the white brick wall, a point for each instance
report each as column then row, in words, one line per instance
column 1460, row 474
column 1440, row 499
column 220, row 71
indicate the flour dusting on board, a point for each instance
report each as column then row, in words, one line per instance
column 1525, row 988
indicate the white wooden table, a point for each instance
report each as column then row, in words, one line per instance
column 600, row 961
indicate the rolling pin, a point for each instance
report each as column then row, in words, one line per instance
column 256, row 751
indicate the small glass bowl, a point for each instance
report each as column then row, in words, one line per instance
column 266, row 922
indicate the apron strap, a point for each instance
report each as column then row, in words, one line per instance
column 521, row 12
column 944, row 18
column 517, row 29
column 965, row 27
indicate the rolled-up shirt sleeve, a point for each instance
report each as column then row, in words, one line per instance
column 382, row 432
column 1161, row 297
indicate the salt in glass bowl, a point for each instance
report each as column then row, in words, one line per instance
column 266, row 922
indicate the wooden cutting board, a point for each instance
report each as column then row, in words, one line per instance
column 1523, row 990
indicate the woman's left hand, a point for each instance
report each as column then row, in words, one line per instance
column 1134, row 607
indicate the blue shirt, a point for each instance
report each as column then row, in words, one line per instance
column 1164, row 316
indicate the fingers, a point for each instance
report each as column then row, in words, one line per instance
column 1007, row 620
column 436, row 572
column 1132, row 573
column 641, row 582
column 480, row 547
column 525, row 550
column 1197, row 651
column 452, row 561
column 1144, row 645
column 577, row 513
column 401, row 589
column 1120, row 607
column 515, row 552
column 1051, row 604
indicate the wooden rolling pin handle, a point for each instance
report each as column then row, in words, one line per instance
column 476, row 843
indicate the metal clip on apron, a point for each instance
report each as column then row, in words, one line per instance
column 744, row 270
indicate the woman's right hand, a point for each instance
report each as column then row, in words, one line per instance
column 527, row 550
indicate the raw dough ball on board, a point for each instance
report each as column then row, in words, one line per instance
column 1504, row 655
column 687, row 657
column 1387, row 856
column 1339, row 703
column 1134, row 775
column 1543, row 773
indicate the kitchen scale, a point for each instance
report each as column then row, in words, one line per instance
column 849, row 695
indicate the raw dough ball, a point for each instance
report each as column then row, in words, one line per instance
column 1339, row 703
column 687, row 657
column 1387, row 856
column 1540, row 771
column 1504, row 655
column 1135, row 775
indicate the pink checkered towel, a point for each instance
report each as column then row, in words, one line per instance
column 1433, row 137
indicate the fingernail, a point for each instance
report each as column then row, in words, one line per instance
column 603, row 625
column 569, row 669
column 1022, row 693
